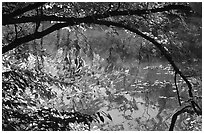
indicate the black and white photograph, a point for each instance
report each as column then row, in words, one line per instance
column 101, row 66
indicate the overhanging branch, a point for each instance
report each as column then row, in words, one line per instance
column 90, row 19
column 174, row 118
column 36, row 35
column 158, row 45
column 8, row 20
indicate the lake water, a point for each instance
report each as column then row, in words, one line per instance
column 144, row 99
column 146, row 104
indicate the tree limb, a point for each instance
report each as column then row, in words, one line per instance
column 177, row 90
column 92, row 19
column 174, row 118
column 162, row 49
column 6, row 21
column 36, row 35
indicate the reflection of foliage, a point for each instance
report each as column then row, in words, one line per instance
column 20, row 110
column 44, row 119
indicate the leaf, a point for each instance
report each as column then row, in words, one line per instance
column 135, row 104
column 36, row 96
column 109, row 117
column 101, row 118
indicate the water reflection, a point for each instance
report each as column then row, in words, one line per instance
column 146, row 105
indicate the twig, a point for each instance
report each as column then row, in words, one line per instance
column 16, row 31
column 174, row 118
column 177, row 91
column 118, row 6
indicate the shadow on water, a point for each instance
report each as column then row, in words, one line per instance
column 147, row 104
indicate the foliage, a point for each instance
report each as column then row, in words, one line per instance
column 22, row 112
column 64, row 62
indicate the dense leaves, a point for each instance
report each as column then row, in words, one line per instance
column 69, row 65
column 20, row 110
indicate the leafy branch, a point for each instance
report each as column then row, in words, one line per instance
column 6, row 21
column 70, row 21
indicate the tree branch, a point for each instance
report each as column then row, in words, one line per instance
column 92, row 19
column 34, row 36
column 158, row 45
column 174, row 118
column 177, row 90
column 37, row 35
column 6, row 20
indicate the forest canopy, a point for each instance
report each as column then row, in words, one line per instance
column 88, row 65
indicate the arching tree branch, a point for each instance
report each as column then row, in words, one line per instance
column 6, row 20
column 174, row 118
column 91, row 19
column 158, row 45
column 70, row 20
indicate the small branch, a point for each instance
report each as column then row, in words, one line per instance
column 174, row 118
column 16, row 31
column 196, row 108
column 118, row 6
column 109, row 7
column 177, row 91
column 37, row 25
column 31, row 37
